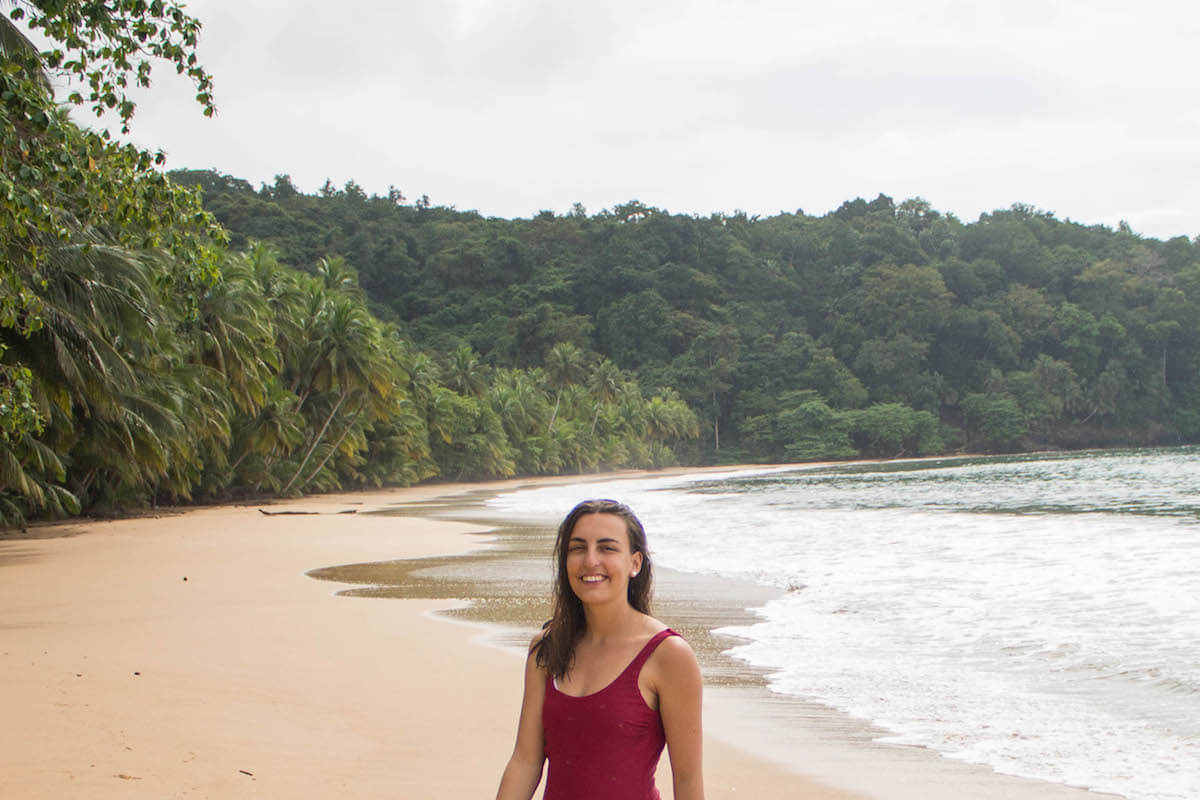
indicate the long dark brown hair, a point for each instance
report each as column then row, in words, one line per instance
column 556, row 649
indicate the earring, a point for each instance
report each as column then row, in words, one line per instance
column 634, row 575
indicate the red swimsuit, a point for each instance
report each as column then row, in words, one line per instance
column 605, row 745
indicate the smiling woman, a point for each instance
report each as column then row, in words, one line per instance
column 607, row 686
column 599, row 559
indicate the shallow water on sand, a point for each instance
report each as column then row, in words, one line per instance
column 508, row 582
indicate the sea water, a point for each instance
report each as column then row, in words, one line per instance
column 1037, row 614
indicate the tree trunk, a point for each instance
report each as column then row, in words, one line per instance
column 557, row 398
column 716, row 423
column 316, row 441
column 233, row 467
column 334, row 448
column 268, row 460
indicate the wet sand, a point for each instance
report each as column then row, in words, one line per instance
column 191, row 655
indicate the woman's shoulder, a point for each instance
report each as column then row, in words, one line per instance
column 673, row 650
column 651, row 627
column 534, row 653
column 675, row 647
column 537, row 638
column 672, row 664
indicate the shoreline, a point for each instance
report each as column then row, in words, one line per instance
column 741, row 711
column 191, row 655
column 48, row 528
column 51, row 528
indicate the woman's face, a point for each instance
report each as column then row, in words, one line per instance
column 599, row 562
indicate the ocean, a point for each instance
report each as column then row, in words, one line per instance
column 1036, row 614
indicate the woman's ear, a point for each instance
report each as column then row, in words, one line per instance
column 637, row 564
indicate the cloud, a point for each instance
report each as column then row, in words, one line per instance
column 702, row 106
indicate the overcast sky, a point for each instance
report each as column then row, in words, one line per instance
column 1087, row 109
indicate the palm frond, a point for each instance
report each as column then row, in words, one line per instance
column 15, row 47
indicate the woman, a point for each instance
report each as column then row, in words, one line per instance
column 606, row 684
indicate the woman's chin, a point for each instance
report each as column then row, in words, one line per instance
column 598, row 592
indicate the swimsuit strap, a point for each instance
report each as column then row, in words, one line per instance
column 632, row 670
column 635, row 666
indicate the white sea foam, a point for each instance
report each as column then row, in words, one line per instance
column 1037, row 615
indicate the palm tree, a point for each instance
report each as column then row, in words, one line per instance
column 605, row 386
column 197, row 408
column 668, row 418
column 521, row 405
column 631, row 411
column 397, row 448
column 338, row 276
column 465, row 373
column 92, row 312
column 273, row 431
column 564, row 366
column 347, row 363
column 304, row 355
column 421, row 372
column 235, row 335
column 99, row 317
column 30, row 478
column 282, row 293
column 15, row 48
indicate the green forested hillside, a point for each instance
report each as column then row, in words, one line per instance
column 166, row 338
column 144, row 359
column 877, row 329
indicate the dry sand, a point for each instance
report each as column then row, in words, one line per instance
column 189, row 655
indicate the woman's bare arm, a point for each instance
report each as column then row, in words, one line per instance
column 524, row 769
column 677, row 681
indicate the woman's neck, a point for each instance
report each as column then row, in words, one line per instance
column 612, row 621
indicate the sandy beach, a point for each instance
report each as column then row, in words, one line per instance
column 190, row 655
